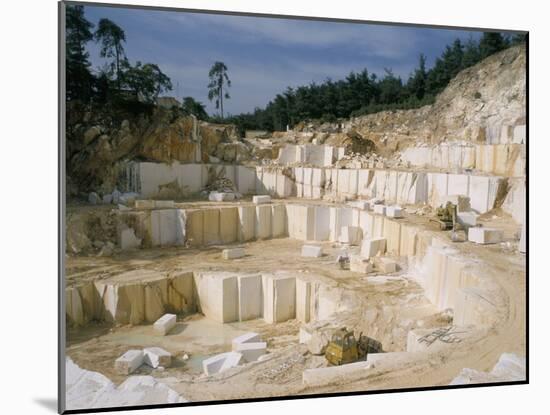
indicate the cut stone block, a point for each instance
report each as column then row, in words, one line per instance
column 165, row 228
column 233, row 253
column 351, row 235
column 301, row 221
column 467, row 218
column 229, row 223
column 247, row 221
column 246, row 179
column 481, row 235
column 250, row 337
column 387, row 265
column 194, row 226
column 250, row 297
column 321, row 224
column 164, row 324
column 221, row 196
column 129, row 362
column 373, row 246
column 219, row 296
column 303, row 300
column 263, row 222
column 312, row 251
column 221, row 362
column 379, row 209
column 394, row 212
column 279, row 298
column 359, row 264
column 261, row 199
column 211, row 226
column 145, row 204
column 252, row 351
column 359, row 204
column 155, row 357
column 278, row 221
column 164, row 204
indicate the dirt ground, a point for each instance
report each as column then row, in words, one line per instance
column 97, row 346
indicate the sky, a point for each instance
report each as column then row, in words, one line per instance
column 265, row 55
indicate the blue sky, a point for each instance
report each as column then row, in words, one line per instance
column 265, row 55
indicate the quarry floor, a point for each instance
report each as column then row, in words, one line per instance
column 95, row 347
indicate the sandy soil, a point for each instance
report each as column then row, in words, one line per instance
column 96, row 347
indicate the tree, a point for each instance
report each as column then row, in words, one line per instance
column 194, row 107
column 491, row 42
column 146, row 80
column 111, row 36
column 417, row 83
column 471, row 54
column 219, row 82
column 78, row 33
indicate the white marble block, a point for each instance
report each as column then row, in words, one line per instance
column 481, row 235
column 359, row 264
column 279, row 293
column 373, row 246
column 251, row 351
column 312, row 251
column 387, row 265
column 263, row 222
column 351, row 235
column 155, row 357
column 164, row 204
column 394, row 212
column 164, row 324
column 221, row 362
column 233, row 253
column 379, row 209
column 250, row 297
column 247, row 223
column 261, row 199
column 250, row 337
column 145, row 204
column 129, row 362
column 221, row 196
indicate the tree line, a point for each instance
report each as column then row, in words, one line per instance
column 119, row 82
column 121, row 85
column 365, row 93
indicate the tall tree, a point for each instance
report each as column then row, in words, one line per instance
column 471, row 53
column 417, row 83
column 146, row 80
column 491, row 42
column 78, row 32
column 111, row 36
column 219, row 82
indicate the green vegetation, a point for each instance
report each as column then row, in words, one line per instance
column 119, row 87
column 219, row 82
column 363, row 93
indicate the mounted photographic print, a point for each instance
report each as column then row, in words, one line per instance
column 264, row 207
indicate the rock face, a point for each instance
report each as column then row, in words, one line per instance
column 95, row 153
column 476, row 106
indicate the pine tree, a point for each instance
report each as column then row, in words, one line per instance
column 78, row 33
